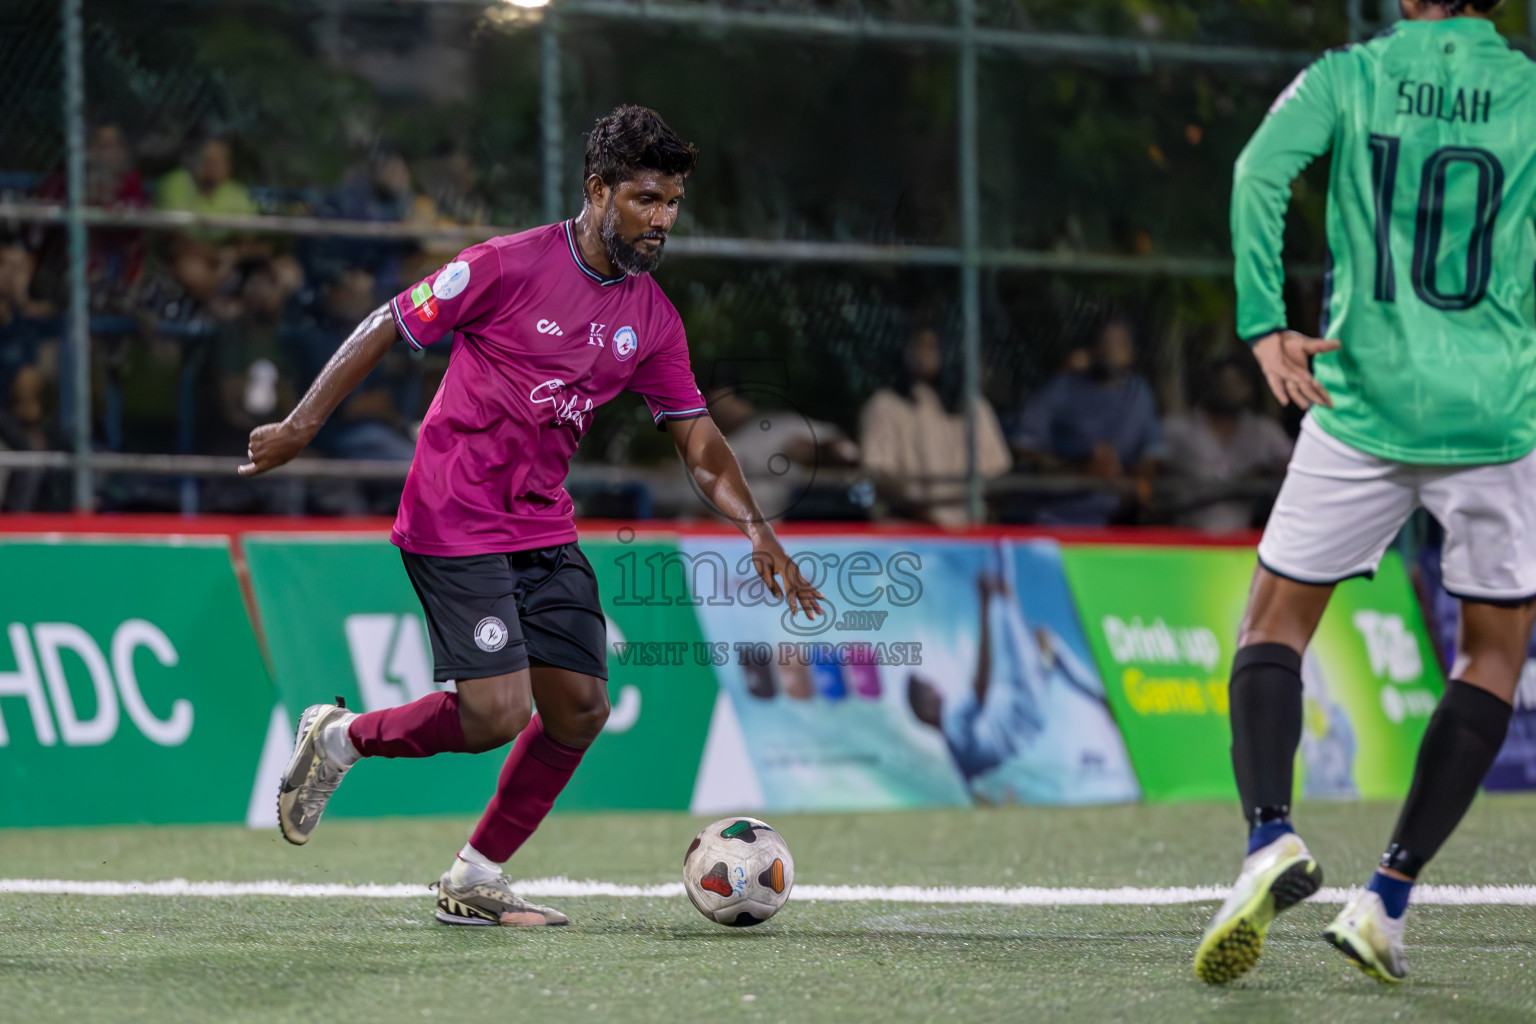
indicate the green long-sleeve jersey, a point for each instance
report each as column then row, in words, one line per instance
column 1431, row 241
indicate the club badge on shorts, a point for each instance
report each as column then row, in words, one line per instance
column 491, row 634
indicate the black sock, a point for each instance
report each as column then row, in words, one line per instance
column 1265, row 698
column 1464, row 736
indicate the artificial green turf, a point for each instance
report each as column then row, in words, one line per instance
column 259, row 959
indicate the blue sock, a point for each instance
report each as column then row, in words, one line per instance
column 1267, row 832
column 1393, row 892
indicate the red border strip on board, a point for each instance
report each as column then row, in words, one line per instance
column 234, row 526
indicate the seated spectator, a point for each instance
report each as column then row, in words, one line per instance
column 1223, row 440
column 380, row 192
column 369, row 424
column 18, row 267
column 189, row 290
column 116, row 255
column 28, row 349
column 26, row 323
column 450, row 183
column 26, row 425
column 111, row 179
column 915, row 432
column 779, row 449
column 254, row 380
column 206, row 185
column 1099, row 422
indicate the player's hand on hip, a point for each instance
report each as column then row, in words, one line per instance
column 271, row 445
column 1283, row 356
column 771, row 562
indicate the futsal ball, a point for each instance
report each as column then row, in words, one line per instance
column 738, row 872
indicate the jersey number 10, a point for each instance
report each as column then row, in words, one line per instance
column 1430, row 223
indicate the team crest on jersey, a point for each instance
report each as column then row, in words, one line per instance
column 625, row 342
column 451, row 280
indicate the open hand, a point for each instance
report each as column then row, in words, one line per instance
column 1283, row 357
column 770, row 561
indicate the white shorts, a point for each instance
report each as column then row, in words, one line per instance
column 1339, row 509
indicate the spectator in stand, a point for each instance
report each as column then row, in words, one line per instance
column 254, row 380
column 450, row 183
column 26, row 323
column 1099, row 422
column 779, row 449
column 111, row 179
column 28, row 355
column 916, row 431
column 379, row 192
column 206, row 185
column 248, row 379
column 369, row 424
column 116, row 255
column 190, row 289
column 1223, row 441
column 26, row 425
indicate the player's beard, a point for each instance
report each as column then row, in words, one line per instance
column 624, row 255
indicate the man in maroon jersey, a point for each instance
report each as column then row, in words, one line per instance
column 548, row 325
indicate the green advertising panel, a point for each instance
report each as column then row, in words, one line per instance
column 341, row 618
column 131, row 687
column 1162, row 623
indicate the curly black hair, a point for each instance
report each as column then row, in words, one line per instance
column 633, row 139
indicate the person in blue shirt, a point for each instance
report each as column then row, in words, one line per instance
column 1099, row 422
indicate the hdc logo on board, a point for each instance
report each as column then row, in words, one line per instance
column 41, row 680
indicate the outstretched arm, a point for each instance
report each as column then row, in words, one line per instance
column 273, row 444
column 718, row 476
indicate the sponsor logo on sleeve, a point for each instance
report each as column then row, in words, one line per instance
column 423, row 301
column 451, row 280
column 624, row 343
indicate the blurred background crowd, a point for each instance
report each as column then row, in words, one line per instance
column 1113, row 390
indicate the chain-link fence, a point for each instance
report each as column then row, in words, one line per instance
column 1024, row 179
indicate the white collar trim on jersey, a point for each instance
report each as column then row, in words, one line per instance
column 582, row 265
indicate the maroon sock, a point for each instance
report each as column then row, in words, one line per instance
column 536, row 771
column 419, row 729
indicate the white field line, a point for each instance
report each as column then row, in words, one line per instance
column 1024, row 896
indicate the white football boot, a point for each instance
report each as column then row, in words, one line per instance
column 312, row 775
column 1274, row 878
column 491, row 901
column 1369, row 938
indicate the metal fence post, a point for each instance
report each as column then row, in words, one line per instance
column 549, row 117
column 970, row 247
column 79, row 340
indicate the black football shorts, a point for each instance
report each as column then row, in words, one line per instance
column 489, row 615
